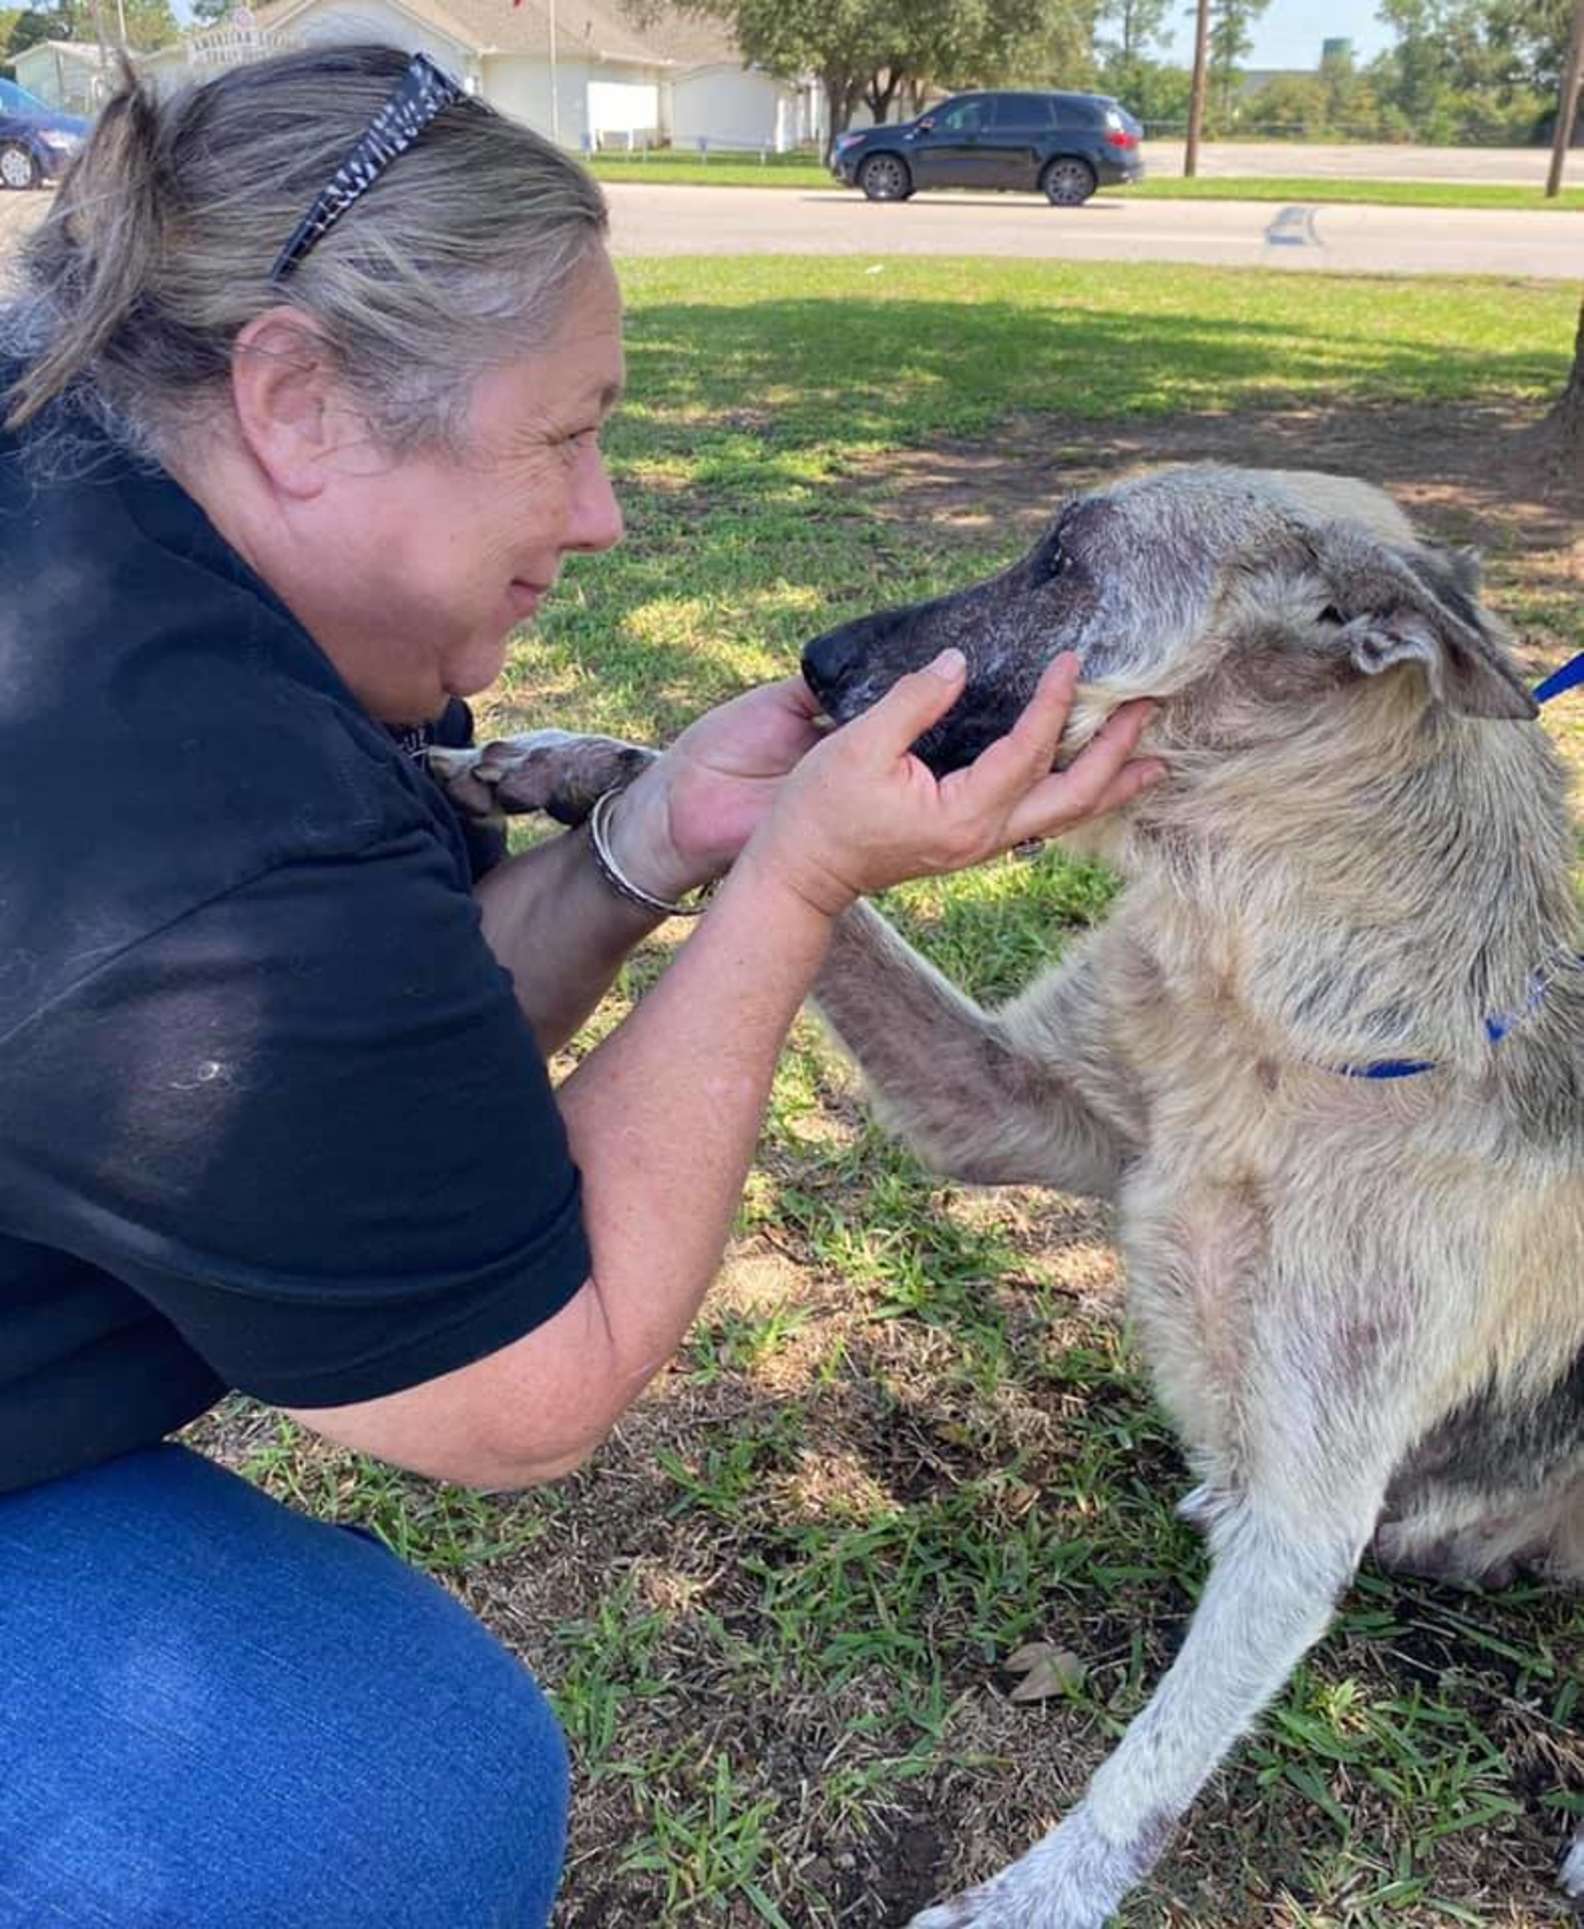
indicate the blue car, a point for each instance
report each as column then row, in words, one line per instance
column 36, row 141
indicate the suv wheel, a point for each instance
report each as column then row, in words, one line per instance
column 884, row 177
column 18, row 169
column 1068, row 182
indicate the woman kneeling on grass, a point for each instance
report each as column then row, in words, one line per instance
column 304, row 388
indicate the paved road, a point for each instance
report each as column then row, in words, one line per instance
column 1350, row 240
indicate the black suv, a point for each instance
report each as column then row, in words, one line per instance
column 1063, row 145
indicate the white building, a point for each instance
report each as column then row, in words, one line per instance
column 63, row 73
column 577, row 70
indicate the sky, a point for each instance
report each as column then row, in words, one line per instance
column 1292, row 30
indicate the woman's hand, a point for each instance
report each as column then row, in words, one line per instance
column 862, row 813
column 686, row 818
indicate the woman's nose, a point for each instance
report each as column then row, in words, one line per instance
column 596, row 514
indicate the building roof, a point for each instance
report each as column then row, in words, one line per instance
column 584, row 29
column 85, row 51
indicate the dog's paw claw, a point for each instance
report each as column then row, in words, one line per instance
column 460, row 775
column 554, row 771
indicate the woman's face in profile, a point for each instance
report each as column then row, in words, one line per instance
column 457, row 550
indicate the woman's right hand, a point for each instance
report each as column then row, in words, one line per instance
column 861, row 813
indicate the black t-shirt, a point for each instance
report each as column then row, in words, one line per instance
column 269, row 1115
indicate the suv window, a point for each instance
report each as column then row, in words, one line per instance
column 963, row 116
column 1074, row 110
column 1022, row 111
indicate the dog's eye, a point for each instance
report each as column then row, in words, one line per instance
column 1053, row 562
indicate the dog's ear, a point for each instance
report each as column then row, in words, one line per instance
column 1463, row 565
column 1407, row 604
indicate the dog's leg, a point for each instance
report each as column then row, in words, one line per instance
column 1283, row 1553
column 961, row 1085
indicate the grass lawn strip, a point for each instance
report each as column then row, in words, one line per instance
column 908, row 1434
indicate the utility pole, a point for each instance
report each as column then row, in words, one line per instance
column 1196, row 100
column 1567, row 105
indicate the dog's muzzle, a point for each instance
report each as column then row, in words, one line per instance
column 850, row 668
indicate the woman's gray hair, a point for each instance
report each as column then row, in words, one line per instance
column 159, row 247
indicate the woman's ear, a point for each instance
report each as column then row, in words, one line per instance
column 290, row 409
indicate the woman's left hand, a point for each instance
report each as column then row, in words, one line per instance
column 685, row 819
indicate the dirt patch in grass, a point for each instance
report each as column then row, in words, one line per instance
column 907, row 1436
column 1472, row 474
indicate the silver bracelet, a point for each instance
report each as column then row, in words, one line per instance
column 619, row 882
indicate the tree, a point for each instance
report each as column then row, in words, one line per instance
column 870, row 49
column 1290, row 105
column 1471, row 70
column 33, row 25
column 1231, row 40
column 1566, row 422
column 1126, row 31
column 149, row 24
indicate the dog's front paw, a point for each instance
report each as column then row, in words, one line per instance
column 980, row 1909
column 1074, row 1879
column 555, row 771
column 1005, row 1903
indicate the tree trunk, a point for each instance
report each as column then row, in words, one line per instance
column 878, row 98
column 842, row 94
column 1567, row 418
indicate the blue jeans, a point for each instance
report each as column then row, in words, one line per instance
column 216, row 1712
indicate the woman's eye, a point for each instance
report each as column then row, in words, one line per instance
column 576, row 445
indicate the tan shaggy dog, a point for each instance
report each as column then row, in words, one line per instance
column 1326, row 1057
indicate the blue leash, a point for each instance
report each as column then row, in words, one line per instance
column 1569, row 677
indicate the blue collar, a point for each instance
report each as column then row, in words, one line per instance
column 1568, row 677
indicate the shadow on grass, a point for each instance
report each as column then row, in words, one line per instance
column 886, row 369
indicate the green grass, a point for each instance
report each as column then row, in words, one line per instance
column 762, row 389
column 777, row 171
column 908, row 1435
column 1395, row 194
column 678, row 169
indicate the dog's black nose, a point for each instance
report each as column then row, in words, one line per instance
column 829, row 661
